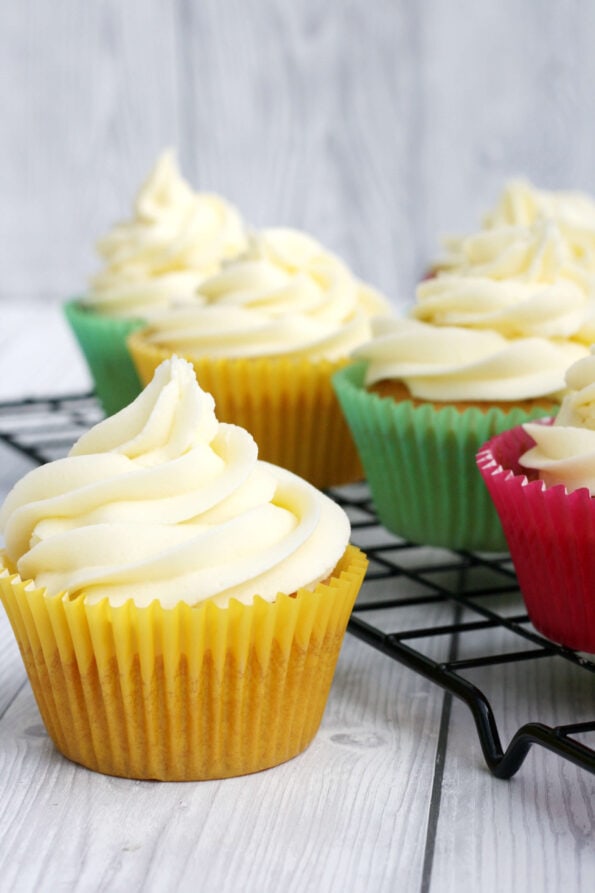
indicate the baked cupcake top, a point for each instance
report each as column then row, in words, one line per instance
column 284, row 296
column 176, row 238
column 521, row 281
column 564, row 452
column 450, row 364
column 161, row 501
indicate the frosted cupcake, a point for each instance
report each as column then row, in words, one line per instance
column 421, row 401
column 274, row 325
column 179, row 604
column 542, row 480
column 175, row 240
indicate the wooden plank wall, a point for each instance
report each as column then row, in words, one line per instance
column 377, row 125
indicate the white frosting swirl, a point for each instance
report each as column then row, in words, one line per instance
column 564, row 453
column 521, row 204
column 162, row 502
column 519, row 281
column 285, row 296
column 447, row 363
column 177, row 238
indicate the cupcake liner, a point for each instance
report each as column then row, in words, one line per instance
column 420, row 464
column 185, row 693
column 551, row 536
column 288, row 405
column 102, row 340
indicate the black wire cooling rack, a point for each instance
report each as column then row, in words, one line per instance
column 474, row 596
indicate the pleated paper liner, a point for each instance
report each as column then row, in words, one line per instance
column 288, row 405
column 185, row 693
column 102, row 340
column 551, row 535
column 420, row 464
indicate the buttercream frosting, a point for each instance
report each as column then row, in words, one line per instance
column 521, row 281
column 564, row 452
column 449, row 363
column 161, row 501
column 284, row 296
column 176, row 239
column 521, row 204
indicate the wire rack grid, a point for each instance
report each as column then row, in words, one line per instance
column 476, row 594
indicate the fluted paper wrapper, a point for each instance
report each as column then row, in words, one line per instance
column 102, row 340
column 184, row 693
column 551, row 536
column 288, row 406
column 420, row 464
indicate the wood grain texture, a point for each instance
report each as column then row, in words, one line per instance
column 88, row 93
column 377, row 128
column 310, row 107
column 539, row 827
column 344, row 815
column 506, row 90
column 39, row 354
column 12, row 677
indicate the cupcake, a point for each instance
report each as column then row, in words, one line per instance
column 420, row 400
column 484, row 347
column 178, row 603
column 541, row 478
column 176, row 239
column 271, row 329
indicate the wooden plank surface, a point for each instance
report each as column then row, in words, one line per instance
column 376, row 127
column 536, row 831
column 344, row 815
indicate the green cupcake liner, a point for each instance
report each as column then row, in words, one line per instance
column 420, row 464
column 102, row 340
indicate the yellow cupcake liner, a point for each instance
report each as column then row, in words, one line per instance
column 288, row 405
column 182, row 693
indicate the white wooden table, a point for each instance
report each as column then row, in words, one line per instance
column 392, row 795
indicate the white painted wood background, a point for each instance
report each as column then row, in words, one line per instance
column 377, row 125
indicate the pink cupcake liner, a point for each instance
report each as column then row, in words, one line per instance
column 551, row 537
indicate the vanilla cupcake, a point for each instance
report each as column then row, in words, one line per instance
column 271, row 329
column 158, row 259
column 179, row 604
column 421, row 401
column 542, row 480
